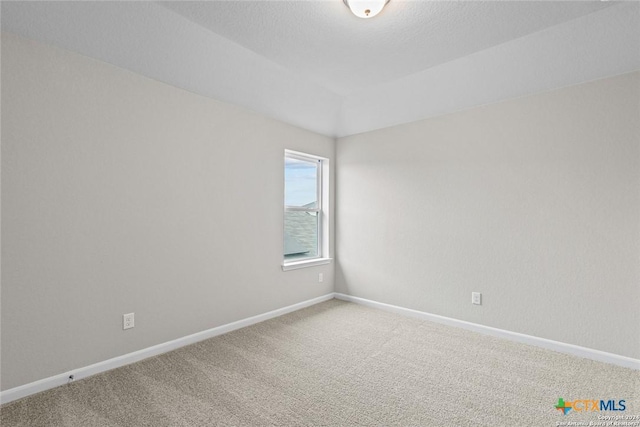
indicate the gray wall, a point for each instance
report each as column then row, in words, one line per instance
column 121, row 194
column 534, row 202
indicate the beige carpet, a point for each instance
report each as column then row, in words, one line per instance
column 336, row 364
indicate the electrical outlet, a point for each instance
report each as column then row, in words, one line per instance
column 128, row 321
column 320, row 277
column 476, row 298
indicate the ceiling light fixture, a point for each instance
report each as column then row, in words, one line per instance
column 365, row 8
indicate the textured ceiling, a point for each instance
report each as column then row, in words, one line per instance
column 323, row 41
column 315, row 65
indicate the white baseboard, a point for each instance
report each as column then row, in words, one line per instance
column 126, row 359
column 574, row 350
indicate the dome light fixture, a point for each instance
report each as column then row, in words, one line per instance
column 365, row 8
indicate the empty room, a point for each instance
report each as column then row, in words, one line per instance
column 320, row 213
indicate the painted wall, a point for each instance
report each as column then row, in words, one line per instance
column 534, row 202
column 121, row 194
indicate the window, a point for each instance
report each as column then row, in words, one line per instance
column 305, row 210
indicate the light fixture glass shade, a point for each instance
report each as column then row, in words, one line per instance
column 365, row 8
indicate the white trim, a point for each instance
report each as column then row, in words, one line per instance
column 126, row 359
column 301, row 209
column 302, row 156
column 294, row 265
column 574, row 350
column 107, row 365
column 321, row 210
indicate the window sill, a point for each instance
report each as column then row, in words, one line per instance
column 305, row 263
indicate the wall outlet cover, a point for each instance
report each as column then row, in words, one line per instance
column 128, row 321
column 476, row 298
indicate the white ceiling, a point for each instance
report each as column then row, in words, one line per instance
column 315, row 65
column 323, row 41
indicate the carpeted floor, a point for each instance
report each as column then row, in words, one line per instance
column 337, row 364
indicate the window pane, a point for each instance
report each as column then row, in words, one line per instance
column 300, row 235
column 300, row 183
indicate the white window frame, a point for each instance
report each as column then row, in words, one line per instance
column 321, row 210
